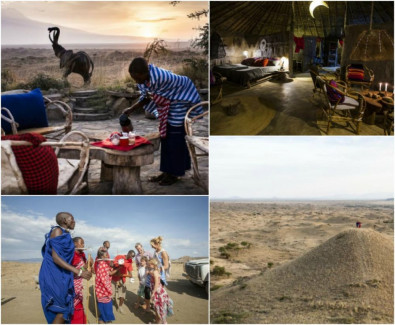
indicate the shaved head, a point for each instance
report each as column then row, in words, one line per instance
column 61, row 217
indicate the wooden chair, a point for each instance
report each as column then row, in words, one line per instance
column 367, row 80
column 72, row 172
column 52, row 132
column 197, row 146
column 388, row 111
column 219, row 81
column 350, row 110
column 326, row 75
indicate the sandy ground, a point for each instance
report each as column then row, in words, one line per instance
column 281, row 233
column 21, row 298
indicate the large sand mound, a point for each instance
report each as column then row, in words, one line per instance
column 347, row 279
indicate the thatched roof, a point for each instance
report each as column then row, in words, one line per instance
column 269, row 17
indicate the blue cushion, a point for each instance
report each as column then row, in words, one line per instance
column 28, row 110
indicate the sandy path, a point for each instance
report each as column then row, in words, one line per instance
column 21, row 302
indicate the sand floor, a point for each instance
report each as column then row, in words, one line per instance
column 283, row 109
column 21, row 298
column 279, row 232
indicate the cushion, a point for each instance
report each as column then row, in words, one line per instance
column 258, row 62
column 38, row 164
column 349, row 103
column 28, row 110
column 356, row 74
column 248, row 61
column 334, row 95
column 265, row 62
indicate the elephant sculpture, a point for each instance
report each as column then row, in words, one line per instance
column 79, row 62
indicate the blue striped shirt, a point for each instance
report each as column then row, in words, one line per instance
column 180, row 90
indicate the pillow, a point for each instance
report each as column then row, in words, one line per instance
column 28, row 110
column 248, row 61
column 265, row 62
column 356, row 74
column 334, row 95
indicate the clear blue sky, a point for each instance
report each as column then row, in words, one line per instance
column 302, row 167
column 182, row 222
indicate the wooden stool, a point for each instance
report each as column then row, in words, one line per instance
column 231, row 106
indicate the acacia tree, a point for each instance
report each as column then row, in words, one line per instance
column 202, row 40
column 157, row 47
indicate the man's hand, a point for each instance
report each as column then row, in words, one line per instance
column 127, row 111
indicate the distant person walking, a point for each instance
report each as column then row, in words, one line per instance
column 56, row 272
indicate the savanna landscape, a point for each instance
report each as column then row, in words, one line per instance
column 302, row 262
column 28, row 67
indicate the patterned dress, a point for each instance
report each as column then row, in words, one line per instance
column 163, row 304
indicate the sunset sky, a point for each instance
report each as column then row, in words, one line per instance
column 144, row 19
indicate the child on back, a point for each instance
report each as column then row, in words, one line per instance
column 163, row 305
column 142, row 275
column 103, row 287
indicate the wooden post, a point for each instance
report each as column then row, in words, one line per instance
column 94, row 292
column 291, row 43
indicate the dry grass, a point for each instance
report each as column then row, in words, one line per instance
column 111, row 66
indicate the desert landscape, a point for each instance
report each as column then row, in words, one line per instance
column 21, row 298
column 302, row 262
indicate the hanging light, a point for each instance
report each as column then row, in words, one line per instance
column 373, row 44
column 316, row 3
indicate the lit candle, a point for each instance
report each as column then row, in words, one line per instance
column 380, row 86
column 386, row 84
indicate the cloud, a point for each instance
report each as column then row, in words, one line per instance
column 154, row 20
column 23, row 236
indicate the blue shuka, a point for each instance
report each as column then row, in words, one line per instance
column 56, row 283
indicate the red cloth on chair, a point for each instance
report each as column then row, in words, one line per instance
column 39, row 165
column 109, row 145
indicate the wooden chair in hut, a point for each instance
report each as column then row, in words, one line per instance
column 388, row 112
column 217, row 82
column 317, row 71
column 359, row 75
column 340, row 104
column 27, row 113
column 71, row 175
column 197, row 146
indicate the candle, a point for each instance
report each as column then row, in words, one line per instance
column 380, row 86
column 386, row 85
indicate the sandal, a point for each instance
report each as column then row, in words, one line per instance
column 168, row 180
column 157, row 178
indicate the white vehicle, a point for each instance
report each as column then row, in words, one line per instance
column 198, row 272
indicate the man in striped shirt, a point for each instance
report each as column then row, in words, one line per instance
column 168, row 96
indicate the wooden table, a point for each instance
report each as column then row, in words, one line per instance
column 373, row 106
column 122, row 167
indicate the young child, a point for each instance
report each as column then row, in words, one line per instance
column 142, row 275
column 103, row 287
column 163, row 305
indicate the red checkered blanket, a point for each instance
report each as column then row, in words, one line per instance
column 39, row 165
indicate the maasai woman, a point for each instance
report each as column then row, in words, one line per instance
column 103, row 287
column 56, row 273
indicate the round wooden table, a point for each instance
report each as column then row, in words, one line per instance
column 122, row 167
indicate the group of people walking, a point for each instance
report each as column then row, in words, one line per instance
column 65, row 265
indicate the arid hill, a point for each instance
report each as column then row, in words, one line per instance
column 347, row 279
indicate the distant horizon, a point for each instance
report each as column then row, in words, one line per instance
column 300, row 199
